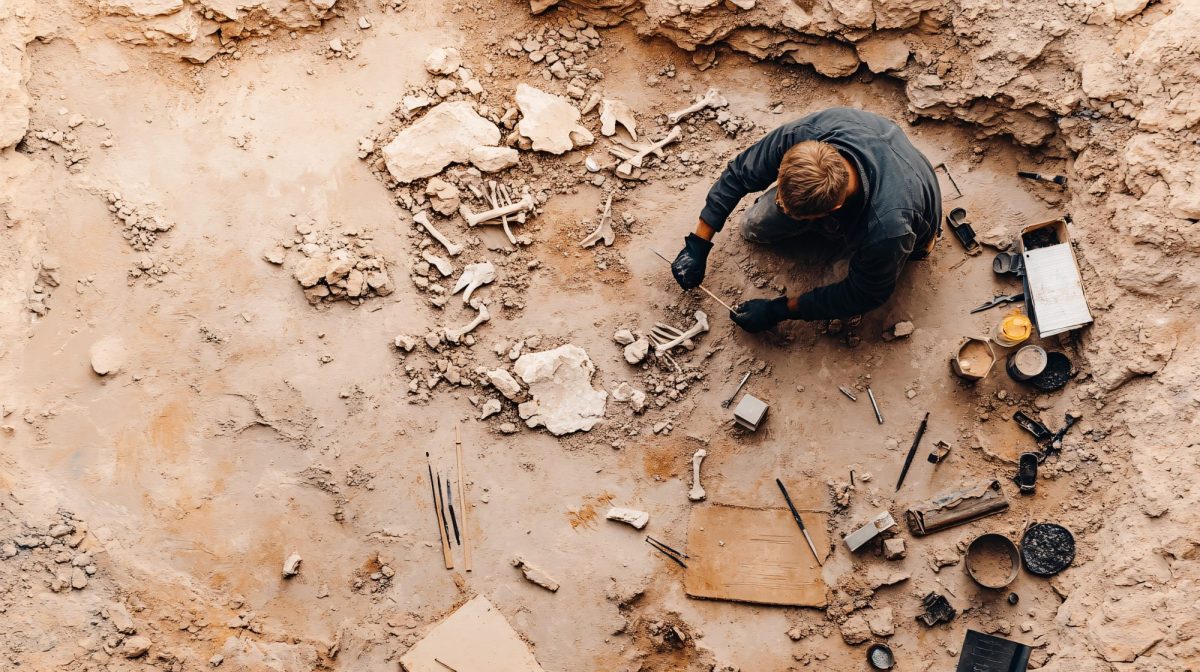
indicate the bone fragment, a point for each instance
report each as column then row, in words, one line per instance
column 700, row 327
column 291, row 566
column 635, row 161
column 697, row 493
column 475, row 219
column 473, row 277
column 633, row 517
column 613, row 112
column 674, row 331
column 421, row 218
column 592, row 101
column 604, row 231
column 711, row 98
column 444, row 267
column 455, row 335
column 535, row 574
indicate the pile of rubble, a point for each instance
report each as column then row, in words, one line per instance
column 338, row 262
column 141, row 227
column 53, row 552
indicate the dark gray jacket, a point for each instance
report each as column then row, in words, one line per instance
column 902, row 203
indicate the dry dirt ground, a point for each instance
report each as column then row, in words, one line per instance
column 145, row 514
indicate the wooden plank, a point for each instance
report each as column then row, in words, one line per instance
column 476, row 638
column 462, row 502
column 763, row 558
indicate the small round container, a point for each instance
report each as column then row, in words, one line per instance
column 880, row 657
column 1013, row 330
column 992, row 560
column 1047, row 549
column 973, row 359
column 1026, row 363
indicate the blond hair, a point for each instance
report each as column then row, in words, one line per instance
column 812, row 178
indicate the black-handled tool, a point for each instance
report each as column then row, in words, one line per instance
column 999, row 301
column 1055, row 179
column 796, row 515
column 912, row 451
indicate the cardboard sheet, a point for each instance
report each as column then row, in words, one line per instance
column 764, row 558
column 476, row 638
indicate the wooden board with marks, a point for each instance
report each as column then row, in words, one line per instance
column 763, row 558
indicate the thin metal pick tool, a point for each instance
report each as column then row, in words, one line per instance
column 912, row 451
column 700, row 287
column 668, row 551
column 796, row 515
column 875, row 405
column 727, row 402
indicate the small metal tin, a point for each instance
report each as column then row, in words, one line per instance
column 750, row 412
column 880, row 657
column 1026, row 363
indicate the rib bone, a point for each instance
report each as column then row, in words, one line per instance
column 473, row 277
column 613, row 112
column 473, row 219
column 604, row 231
column 423, row 219
column 455, row 335
column 711, row 98
column 697, row 493
column 635, row 161
column 444, row 267
column 700, row 327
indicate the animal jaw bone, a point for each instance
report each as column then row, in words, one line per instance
column 475, row 219
column 604, row 231
column 613, row 112
column 473, row 277
column 444, row 267
column 697, row 493
column 635, row 161
column 421, row 218
column 455, row 335
column 711, row 98
column 700, row 327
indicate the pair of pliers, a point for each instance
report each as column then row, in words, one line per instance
column 1000, row 301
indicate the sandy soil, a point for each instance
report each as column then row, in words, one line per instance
column 246, row 423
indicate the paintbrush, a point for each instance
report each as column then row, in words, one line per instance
column 450, row 505
column 796, row 515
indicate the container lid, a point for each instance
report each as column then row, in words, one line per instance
column 1016, row 327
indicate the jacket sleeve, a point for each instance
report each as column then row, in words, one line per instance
column 752, row 170
column 872, row 277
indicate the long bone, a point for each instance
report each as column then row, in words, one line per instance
column 475, row 219
column 473, row 277
column 604, row 231
column 496, row 193
column 700, row 327
column 423, row 219
column 455, row 335
column 697, row 493
column 635, row 161
column 711, row 98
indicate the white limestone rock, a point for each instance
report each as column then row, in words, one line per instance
column 562, row 397
column 638, row 519
column 445, row 135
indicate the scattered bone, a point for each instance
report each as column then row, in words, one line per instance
column 711, row 98
column 291, row 566
column 421, row 218
column 697, row 493
column 700, row 327
column 613, row 112
column 455, row 335
column 473, row 219
column 535, row 574
column 604, row 231
column 635, row 160
column 592, row 101
column 442, row 265
column 549, row 122
column 633, row 517
column 473, row 277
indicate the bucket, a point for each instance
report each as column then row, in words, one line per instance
column 1015, row 328
column 992, row 560
column 1026, row 363
column 974, row 359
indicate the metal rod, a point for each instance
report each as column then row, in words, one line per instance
column 727, row 402
column 912, row 451
column 699, row 287
column 462, row 501
column 677, row 561
column 450, row 505
column 796, row 515
column 656, row 541
column 847, row 392
column 875, row 405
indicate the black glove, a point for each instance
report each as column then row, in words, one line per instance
column 689, row 265
column 758, row 315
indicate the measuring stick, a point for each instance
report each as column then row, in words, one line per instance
column 462, row 501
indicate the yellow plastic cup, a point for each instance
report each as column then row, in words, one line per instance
column 1013, row 329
